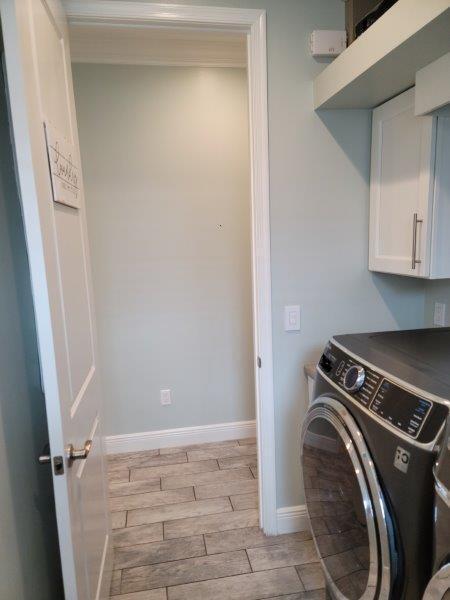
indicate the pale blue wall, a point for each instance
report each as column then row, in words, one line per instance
column 29, row 560
column 319, row 173
column 166, row 170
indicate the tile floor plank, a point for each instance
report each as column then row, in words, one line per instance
column 119, row 476
column 252, row 586
column 208, row 445
column 244, row 501
column 118, row 461
column 181, row 511
column 340, row 565
column 315, row 595
column 118, row 519
column 159, row 594
column 152, row 499
column 195, row 479
column 224, row 452
column 251, row 441
column 234, row 462
column 179, row 572
column 249, row 537
column 229, row 488
column 210, row 523
column 159, row 552
column 116, row 581
column 174, row 470
column 148, row 461
column 312, row 576
column 134, row 487
column 140, row 534
column 282, row 555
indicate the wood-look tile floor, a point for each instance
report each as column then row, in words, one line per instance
column 185, row 527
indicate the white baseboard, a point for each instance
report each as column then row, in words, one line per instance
column 182, row 436
column 291, row 519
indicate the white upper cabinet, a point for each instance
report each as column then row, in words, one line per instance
column 409, row 191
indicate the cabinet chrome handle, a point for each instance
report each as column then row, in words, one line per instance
column 415, row 261
column 73, row 454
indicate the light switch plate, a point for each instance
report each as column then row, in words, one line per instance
column 292, row 318
column 439, row 314
column 166, row 397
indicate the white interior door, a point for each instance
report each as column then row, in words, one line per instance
column 401, row 188
column 40, row 91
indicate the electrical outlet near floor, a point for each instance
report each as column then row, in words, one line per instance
column 439, row 314
column 166, row 398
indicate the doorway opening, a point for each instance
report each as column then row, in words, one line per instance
column 105, row 38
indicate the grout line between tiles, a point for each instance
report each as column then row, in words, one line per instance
column 298, row 575
column 248, row 559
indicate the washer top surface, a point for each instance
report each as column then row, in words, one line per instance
column 420, row 357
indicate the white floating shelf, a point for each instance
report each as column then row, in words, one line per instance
column 383, row 61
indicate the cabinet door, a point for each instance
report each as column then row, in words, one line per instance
column 401, row 188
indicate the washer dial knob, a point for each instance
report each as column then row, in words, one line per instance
column 354, row 378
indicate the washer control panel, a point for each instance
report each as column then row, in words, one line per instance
column 354, row 378
column 390, row 402
column 358, row 380
column 400, row 408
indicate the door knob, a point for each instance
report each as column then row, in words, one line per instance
column 45, row 458
column 81, row 454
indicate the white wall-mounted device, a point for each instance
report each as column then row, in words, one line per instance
column 165, row 397
column 292, row 318
column 439, row 314
column 327, row 42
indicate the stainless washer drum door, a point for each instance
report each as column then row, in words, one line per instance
column 439, row 586
column 345, row 504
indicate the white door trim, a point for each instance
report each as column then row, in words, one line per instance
column 253, row 22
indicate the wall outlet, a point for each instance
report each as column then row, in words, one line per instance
column 166, row 397
column 439, row 314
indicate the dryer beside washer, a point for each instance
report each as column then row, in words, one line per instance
column 369, row 443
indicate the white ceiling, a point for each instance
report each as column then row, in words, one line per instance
column 97, row 43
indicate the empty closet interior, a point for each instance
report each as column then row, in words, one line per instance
column 164, row 137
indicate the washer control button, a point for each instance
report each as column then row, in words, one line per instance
column 354, row 378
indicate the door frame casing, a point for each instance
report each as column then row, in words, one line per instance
column 253, row 23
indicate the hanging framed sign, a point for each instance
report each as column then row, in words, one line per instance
column 64, row 169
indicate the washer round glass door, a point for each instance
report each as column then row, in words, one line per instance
column 345, row 504
column 439, row 586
